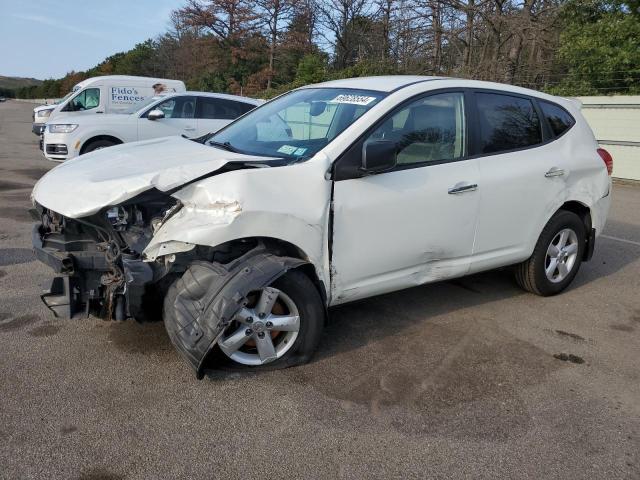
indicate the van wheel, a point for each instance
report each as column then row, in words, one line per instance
column 98, row 144
column 280, row 327
column 556, row 258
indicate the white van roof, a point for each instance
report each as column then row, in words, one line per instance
column 124, row 78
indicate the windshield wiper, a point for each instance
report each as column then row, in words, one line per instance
column 226, row 145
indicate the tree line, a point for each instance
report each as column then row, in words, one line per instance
column 264, row 47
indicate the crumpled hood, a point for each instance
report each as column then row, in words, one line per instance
column 109, row 176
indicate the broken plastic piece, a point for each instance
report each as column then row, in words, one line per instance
column 202, row 303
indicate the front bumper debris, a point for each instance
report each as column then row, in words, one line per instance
column 207, row 297
column 87, row 282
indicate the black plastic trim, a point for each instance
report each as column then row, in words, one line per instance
column 591, row 245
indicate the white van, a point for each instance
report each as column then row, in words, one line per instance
column 113, row 94
column 106, row 94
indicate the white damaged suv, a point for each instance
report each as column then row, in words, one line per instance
column 327, row 194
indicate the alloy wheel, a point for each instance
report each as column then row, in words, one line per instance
column 262, row 331
column 561, row 255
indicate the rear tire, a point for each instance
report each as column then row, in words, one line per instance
column 556, row 257
column 98, row 144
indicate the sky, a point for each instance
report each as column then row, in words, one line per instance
column 48, row 38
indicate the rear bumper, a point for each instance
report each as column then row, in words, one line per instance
column 600, row 211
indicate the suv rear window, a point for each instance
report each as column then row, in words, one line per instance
column 219, row 108
column 507, row 123
column 559, row 119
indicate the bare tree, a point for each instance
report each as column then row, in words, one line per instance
column 275, row 15
column 225, row 19
column 339, row 18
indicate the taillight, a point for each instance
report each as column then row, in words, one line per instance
column 607, row 159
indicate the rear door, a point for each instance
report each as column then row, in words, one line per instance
column 214, row 113
column 522, row 174
column 179, row 119
column 416, row 223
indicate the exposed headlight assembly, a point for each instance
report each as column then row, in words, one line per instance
column 44, row 113
column 61, row 127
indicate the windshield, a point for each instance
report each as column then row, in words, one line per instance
column 65, row 97
column 298, row 124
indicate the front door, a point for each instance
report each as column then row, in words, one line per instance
column 179, row 119
column 416, row 223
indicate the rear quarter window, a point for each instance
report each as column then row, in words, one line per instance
column 558, row 118
column 507, row 123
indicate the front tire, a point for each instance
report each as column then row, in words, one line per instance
column 556, row 257
column 280, row 327
column 98, row 144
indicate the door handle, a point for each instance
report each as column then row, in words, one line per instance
column 554, row 172
column 462, row 188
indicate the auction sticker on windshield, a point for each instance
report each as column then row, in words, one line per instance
column 287, row 149
column 353, row 99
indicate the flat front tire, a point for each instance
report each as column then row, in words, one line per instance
column 556, row 257
column 280, row 327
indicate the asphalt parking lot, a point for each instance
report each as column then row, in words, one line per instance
column 452, row 380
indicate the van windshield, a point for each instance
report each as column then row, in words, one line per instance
column 87, row 99
column 65, row 97
column 297, row 125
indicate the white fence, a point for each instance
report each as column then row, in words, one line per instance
column 615, row 121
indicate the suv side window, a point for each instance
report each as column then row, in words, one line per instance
column 506, row 123
column 431, row 129
column 559, row 119
column 177, row 107
column 85, row 100
column 221, row 109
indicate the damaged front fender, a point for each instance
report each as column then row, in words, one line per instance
column 203, row 302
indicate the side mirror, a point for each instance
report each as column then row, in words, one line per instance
column 156, row 114
column 379, row 156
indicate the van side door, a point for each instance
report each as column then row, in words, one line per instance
column 416, row 222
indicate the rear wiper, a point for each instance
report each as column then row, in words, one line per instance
column 225, row 145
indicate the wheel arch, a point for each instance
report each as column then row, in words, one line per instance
column 276, row 246
column 96, row 138
column 580, row 209
column 584, row 213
